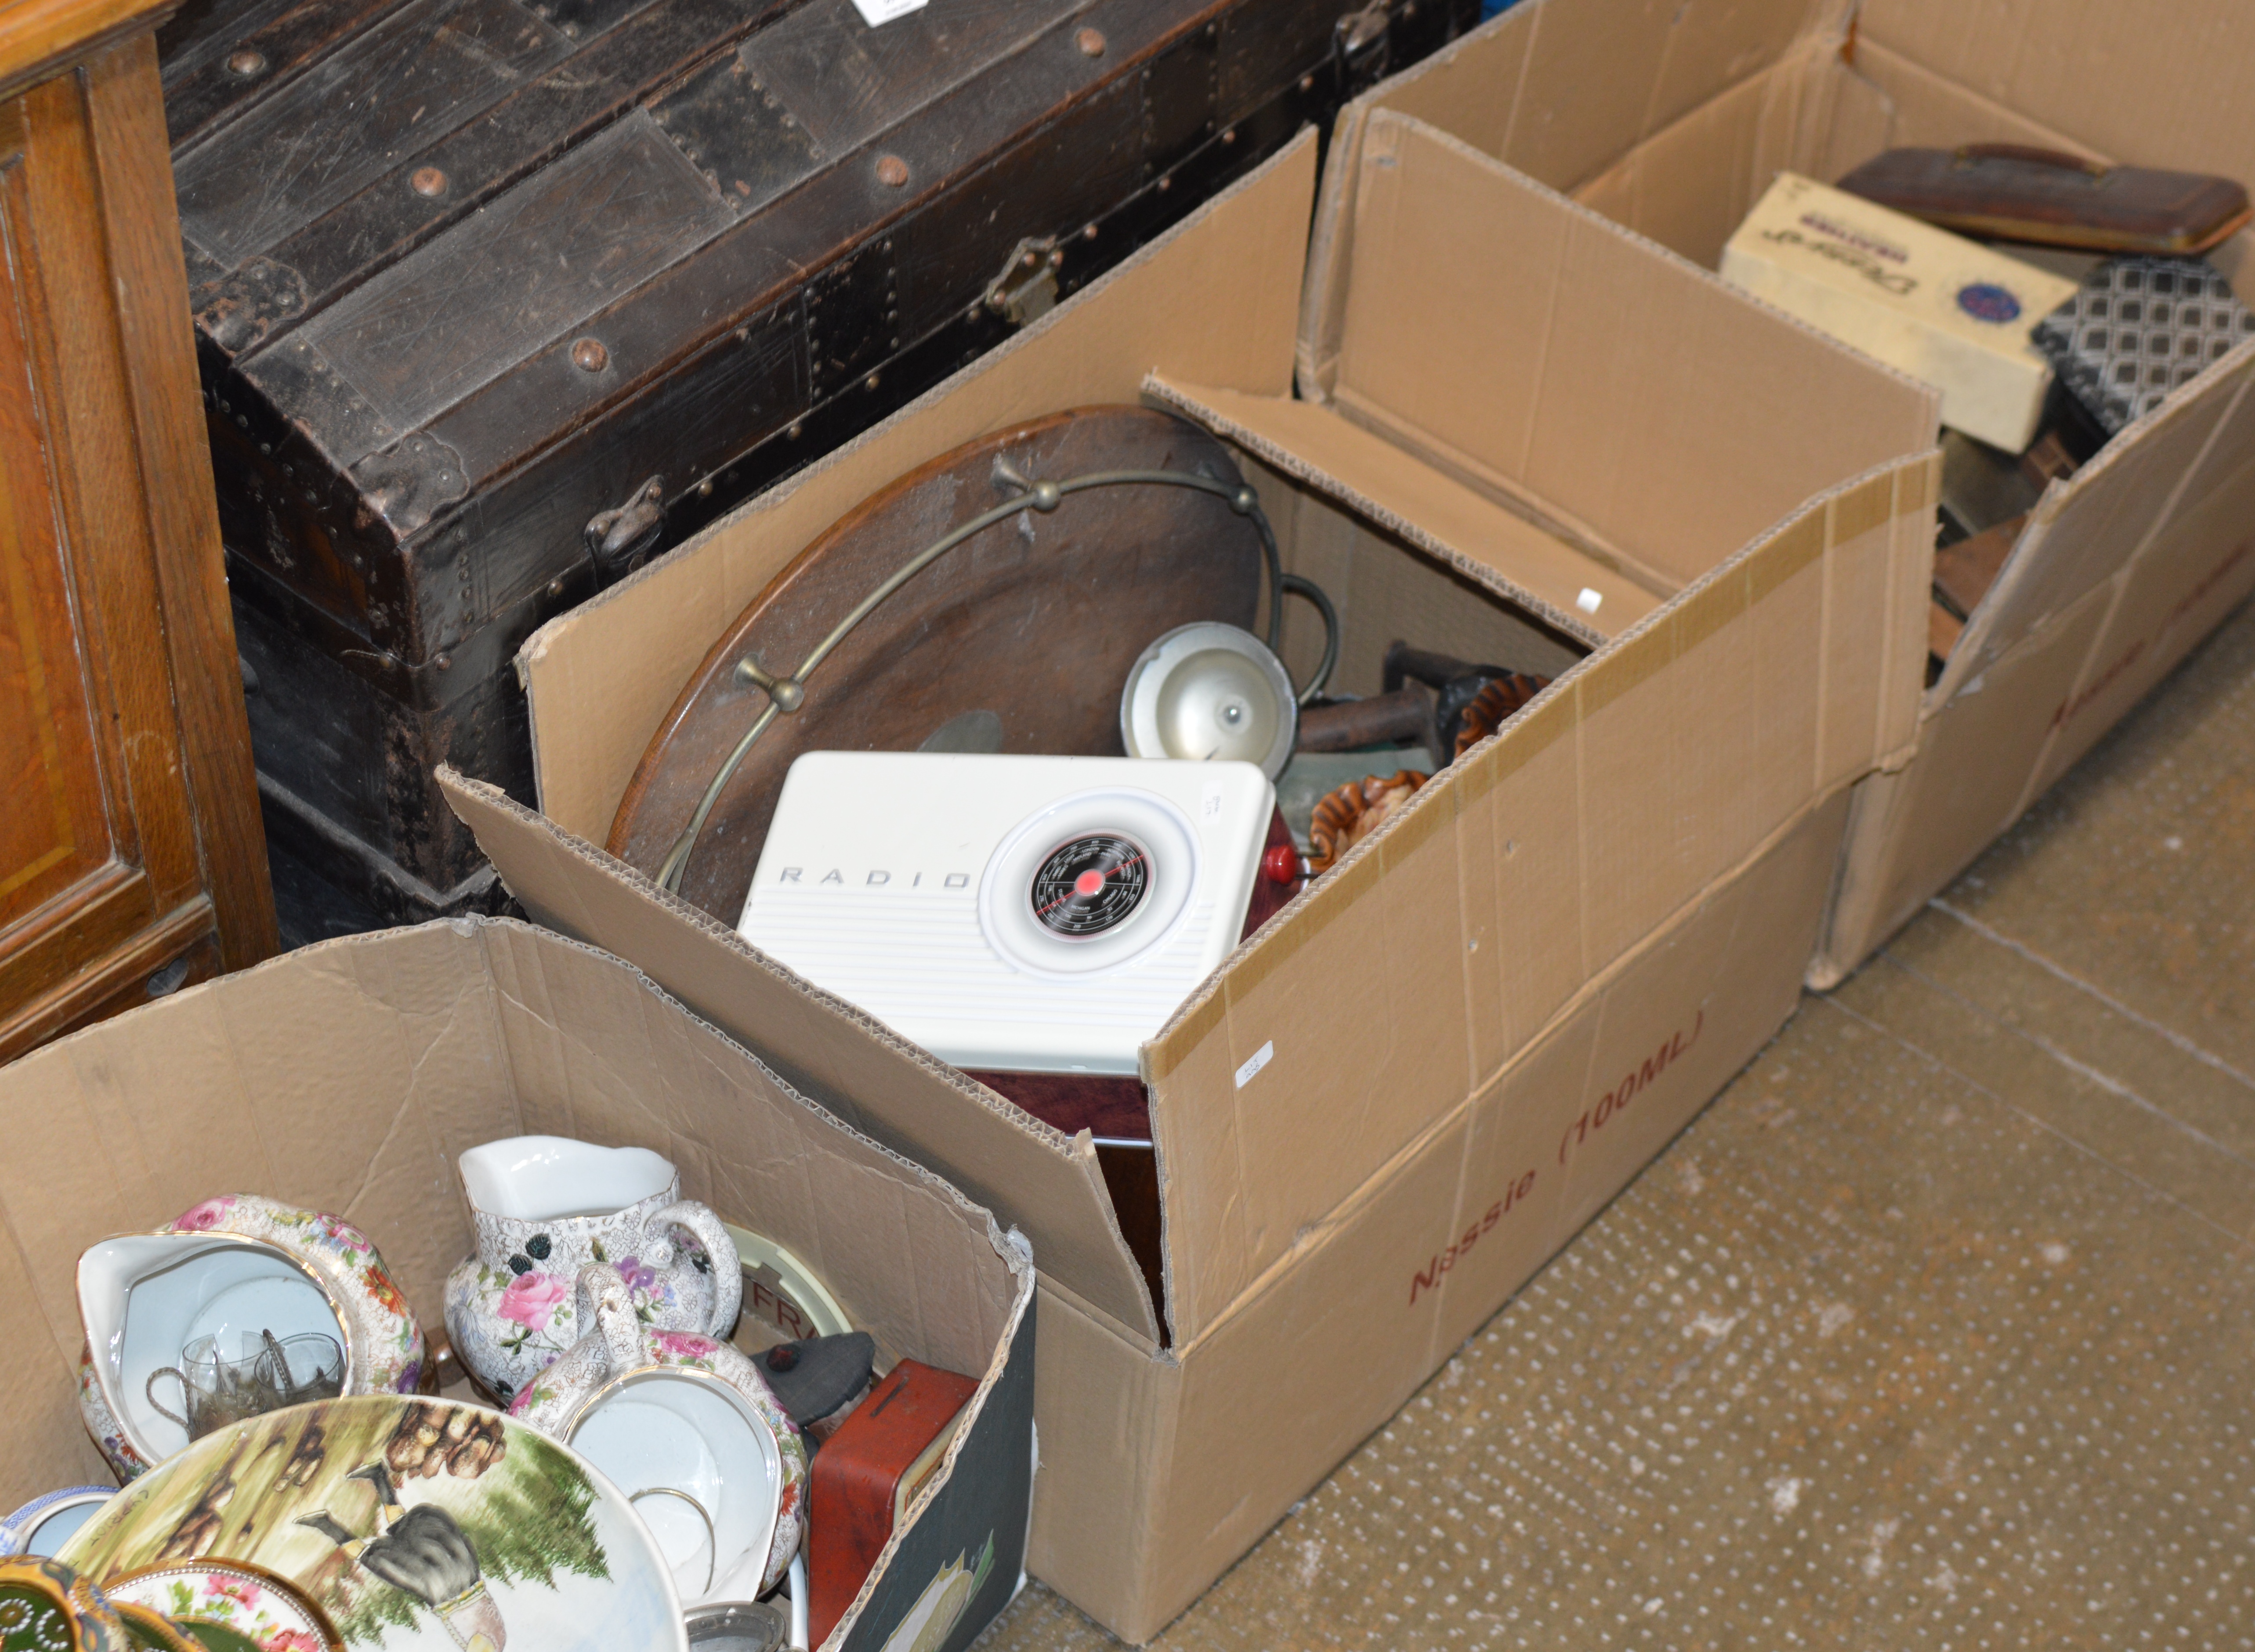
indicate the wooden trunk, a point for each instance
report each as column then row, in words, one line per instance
column 496, row 300
column 130, row 861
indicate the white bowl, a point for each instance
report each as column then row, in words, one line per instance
column 669, row 1434
column 46, row 1523
column 144, row 1298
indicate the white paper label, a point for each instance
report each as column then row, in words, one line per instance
column 1253, row 1063
column 876, row 12
column 1590, row 602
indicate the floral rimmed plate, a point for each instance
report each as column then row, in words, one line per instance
column 147, row 1631
column 260, row 1609
column 410, row 1525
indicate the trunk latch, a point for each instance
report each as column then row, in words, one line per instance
column 1363, row 42
column 1027, row 288
column 618, row 541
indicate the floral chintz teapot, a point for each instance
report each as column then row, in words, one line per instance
column 685, row 1419
column 547, row 1207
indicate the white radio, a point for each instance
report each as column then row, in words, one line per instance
column 1017, row 914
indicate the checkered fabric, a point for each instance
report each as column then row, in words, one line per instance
column 2140, row 328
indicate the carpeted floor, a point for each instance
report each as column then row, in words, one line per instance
column 1937, row 1329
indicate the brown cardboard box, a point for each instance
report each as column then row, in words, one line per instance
column 1409, row 1089
column 1671, row 119
column 348, row 1077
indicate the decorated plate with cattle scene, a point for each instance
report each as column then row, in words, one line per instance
column 405, row 1524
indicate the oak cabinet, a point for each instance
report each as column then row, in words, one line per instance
column 131, row 858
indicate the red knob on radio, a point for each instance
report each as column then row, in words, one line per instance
column 1280, row 863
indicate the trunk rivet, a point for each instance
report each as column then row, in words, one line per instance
column 589, row 355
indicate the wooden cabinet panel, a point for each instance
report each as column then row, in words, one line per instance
column 130, row 852
column 53, row 830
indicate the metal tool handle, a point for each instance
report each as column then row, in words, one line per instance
column 1424, row 666
column 1407, row 713
column 1314, row 593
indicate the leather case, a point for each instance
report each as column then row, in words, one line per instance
column 2056, row 200
column 866, row 1476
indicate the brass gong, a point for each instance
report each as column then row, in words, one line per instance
column 1018, row 639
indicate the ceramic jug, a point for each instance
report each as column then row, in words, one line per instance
column 685, row 1425
column 235, row 1269
column 545, row 1207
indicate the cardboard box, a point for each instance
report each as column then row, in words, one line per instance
column 1672, row 120
column 347, row 1078
column 1409, row 1089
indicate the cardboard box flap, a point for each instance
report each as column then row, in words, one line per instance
column 1547, row 575
column 1217, row 296
column 989, row 1465
column 2147, row 84
column 1405, row 976
column 1541, row 353
column 1035, row 1178
column 2044, row 98
column 1829, row 105
column 1690, row 186
column 1636, row 67
column 2084, row 531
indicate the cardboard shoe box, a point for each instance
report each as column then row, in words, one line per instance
column 348, row 1077
column 1674, row 120
column 1568, row 452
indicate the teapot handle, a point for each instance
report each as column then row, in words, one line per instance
column 605, row 1307
column 698, row 1221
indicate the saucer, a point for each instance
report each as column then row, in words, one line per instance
column 410, row 1525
